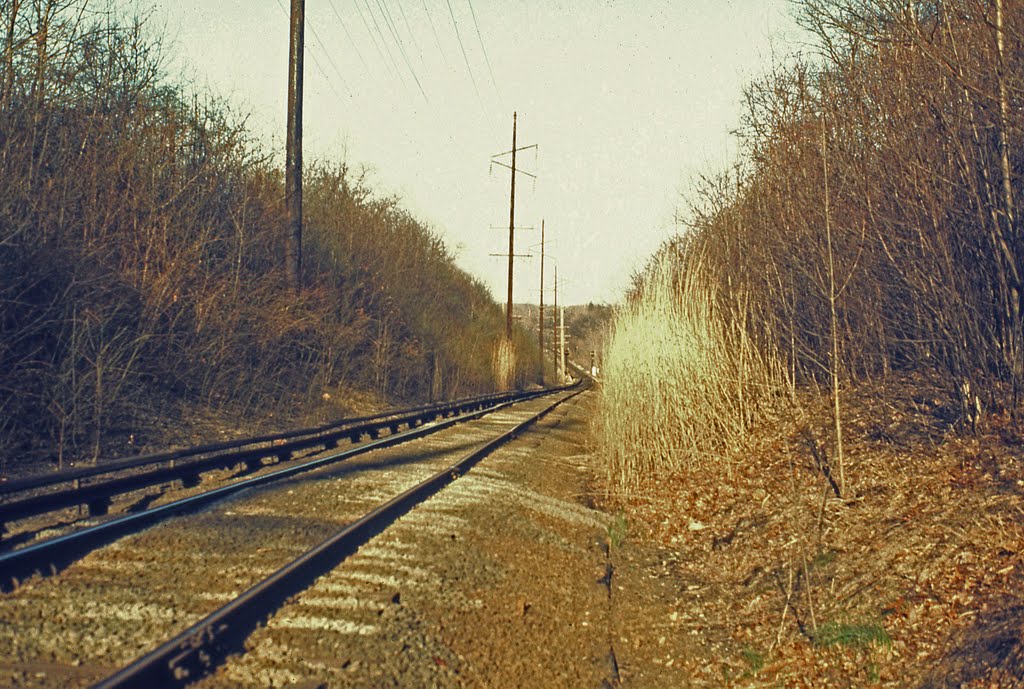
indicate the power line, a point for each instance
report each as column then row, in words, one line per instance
column 482, row 47
column 390, row 23
column 380, row 33
column 369, row 31
column 328, row 55
column 401, row 46
column 437, row 39
column 463, row 47
column 348, row 33
column 408, row 28
column 316, row 62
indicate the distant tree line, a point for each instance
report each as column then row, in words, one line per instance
column 141, row 235
column 873, row 225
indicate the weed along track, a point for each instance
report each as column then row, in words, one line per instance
column 206, row 580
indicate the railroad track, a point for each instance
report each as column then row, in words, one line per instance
column 95, row 486
column 154, row 487
column 189, row 590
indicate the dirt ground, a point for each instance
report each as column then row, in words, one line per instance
column 913, row 579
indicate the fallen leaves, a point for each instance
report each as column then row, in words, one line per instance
column 910, row 575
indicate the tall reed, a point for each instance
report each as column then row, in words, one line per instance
column 504, row 364
column 682, row 378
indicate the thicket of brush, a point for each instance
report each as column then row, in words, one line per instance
column 141, row 235
column 873, row 224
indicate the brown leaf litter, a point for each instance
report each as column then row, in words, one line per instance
column 915, row 578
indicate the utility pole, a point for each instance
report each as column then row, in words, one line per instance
column 554, row 330
column 511, row 220
column 540, row 321
column 511, row 234
column 293, row 154
column 561, row 342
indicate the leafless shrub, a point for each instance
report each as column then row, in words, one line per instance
column 873, row 224
column 140, row 253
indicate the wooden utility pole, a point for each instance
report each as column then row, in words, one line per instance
column 511, row 234
column 511, row 219
column 293, row 154
column 540, row 320
column 561, row 342
column 554, row 330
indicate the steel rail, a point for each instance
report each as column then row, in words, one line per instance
column 50, row 556
column 342, row 427
column 199, row 649
column 98, row 496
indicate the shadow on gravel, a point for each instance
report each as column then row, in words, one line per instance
column 572, row 424
column 12, row 542
column 357, row 465
column 342, row 469
column 991, row 647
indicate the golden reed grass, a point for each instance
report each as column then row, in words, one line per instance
column 681, row 379
column 503, row 362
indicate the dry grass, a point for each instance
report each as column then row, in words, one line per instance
column 681, row 379
column 504, row 364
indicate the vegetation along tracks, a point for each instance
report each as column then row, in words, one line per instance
column 268, row 542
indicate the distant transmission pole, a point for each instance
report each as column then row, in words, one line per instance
column 511, row 220
column 540, row 320
column 293, row 154
column 554, row 331
column 561, row 342
column 511, row 234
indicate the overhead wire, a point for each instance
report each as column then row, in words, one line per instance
column 322, row 46
column 351, row 41
column 369, row 31
column 381, row 44
column 437, row 38
column 401, row 45
column 443, row 122
column 316, row 62
column 408, row 28
column 327, row 53
column 380, row 33
column 463, row 47
column 483, row 48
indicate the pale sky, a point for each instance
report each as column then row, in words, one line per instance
column 626, row 100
